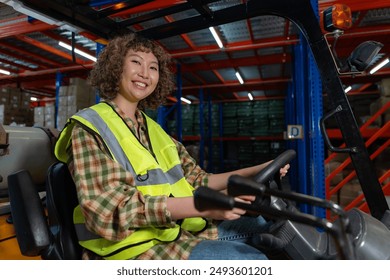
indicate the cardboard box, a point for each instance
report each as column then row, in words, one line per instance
column 3, row 137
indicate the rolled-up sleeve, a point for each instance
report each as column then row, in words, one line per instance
column 193, row 173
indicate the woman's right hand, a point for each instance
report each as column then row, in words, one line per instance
column 233, row 214
column 183, row 207
column 218, row 214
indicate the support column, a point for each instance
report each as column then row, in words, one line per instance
column 201, row 128
column 310, row 149
column 59, row 77
column 178, row 105
column 99, row 48
column 302, row 145
column 317, row 159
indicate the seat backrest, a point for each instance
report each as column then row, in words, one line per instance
column 61, row 200
column 28, row 214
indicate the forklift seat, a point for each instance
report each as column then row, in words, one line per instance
column 61, row 199
column 53, row 237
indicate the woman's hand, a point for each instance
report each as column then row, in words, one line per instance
column 233, row 214
column 218, row 214
column 283, row 171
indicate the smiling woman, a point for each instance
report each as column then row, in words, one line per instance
column 135, row 182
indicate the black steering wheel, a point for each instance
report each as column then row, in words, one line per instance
column 238, row 185
column 270, row 171
column 206, row 198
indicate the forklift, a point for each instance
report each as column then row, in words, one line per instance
column 355, row 235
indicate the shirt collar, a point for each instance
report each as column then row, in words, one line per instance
column 138, row 115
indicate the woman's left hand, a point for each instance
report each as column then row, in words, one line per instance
column 283, row 171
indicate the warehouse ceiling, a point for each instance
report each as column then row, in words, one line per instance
column 260, row 48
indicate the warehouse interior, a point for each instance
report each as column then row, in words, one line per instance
column 232, row 106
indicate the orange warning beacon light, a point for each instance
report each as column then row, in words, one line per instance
column 336, row 17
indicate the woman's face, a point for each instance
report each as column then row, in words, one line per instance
column 140, row 76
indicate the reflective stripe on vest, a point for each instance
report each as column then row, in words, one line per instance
column 148, row 172
column 153, row 176
column 135, row 244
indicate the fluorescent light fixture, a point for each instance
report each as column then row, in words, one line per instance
column 185, row 100
column 250, row 96
column 216, row 37
column 379, row 66
column 239, row 77
column 69, row 47
column 32, row 98
column 23, row 9
column 5, row 72
column 347, row 89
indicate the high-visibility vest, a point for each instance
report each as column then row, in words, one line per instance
column 155, row 174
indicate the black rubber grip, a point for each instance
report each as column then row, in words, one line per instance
column 269, row 171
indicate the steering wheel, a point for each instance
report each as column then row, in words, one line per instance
column 206, row 198
column 270, row 171
column 238, row 185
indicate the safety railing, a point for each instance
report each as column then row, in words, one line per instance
column 380, row 133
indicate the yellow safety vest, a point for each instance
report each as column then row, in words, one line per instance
column 160, row 174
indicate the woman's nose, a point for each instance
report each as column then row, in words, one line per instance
column 143, row 72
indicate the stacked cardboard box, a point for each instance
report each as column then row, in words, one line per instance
column 188, row 119
column 215, row 120
column 44, row 116
column 276, row 116
column 245, row 118
column 260, row 118
column 72, row 98
column 230, row 124
column 39, row 116
column 15, row 107
column 383, row 99
column 49, row 115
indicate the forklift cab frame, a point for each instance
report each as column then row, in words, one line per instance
column 301, row 13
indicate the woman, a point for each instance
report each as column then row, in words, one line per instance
column 134, row 181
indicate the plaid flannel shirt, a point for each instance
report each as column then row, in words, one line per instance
column 112, row 205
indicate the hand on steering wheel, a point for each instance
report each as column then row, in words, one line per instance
column 283, row 171
column 280, row 163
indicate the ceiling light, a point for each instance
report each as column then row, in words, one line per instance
column 22, row 8
column 32, row 98
column 239, row 77
column 216, row 37
column 250, row 96
column 185, row 100
column 347, row 89
column 379, row 66
column 69, row 47
column 5, row 72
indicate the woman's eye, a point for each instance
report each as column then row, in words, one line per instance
column 136, row 62
column 154, row 68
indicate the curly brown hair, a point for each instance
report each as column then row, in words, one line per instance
column 106, row 74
